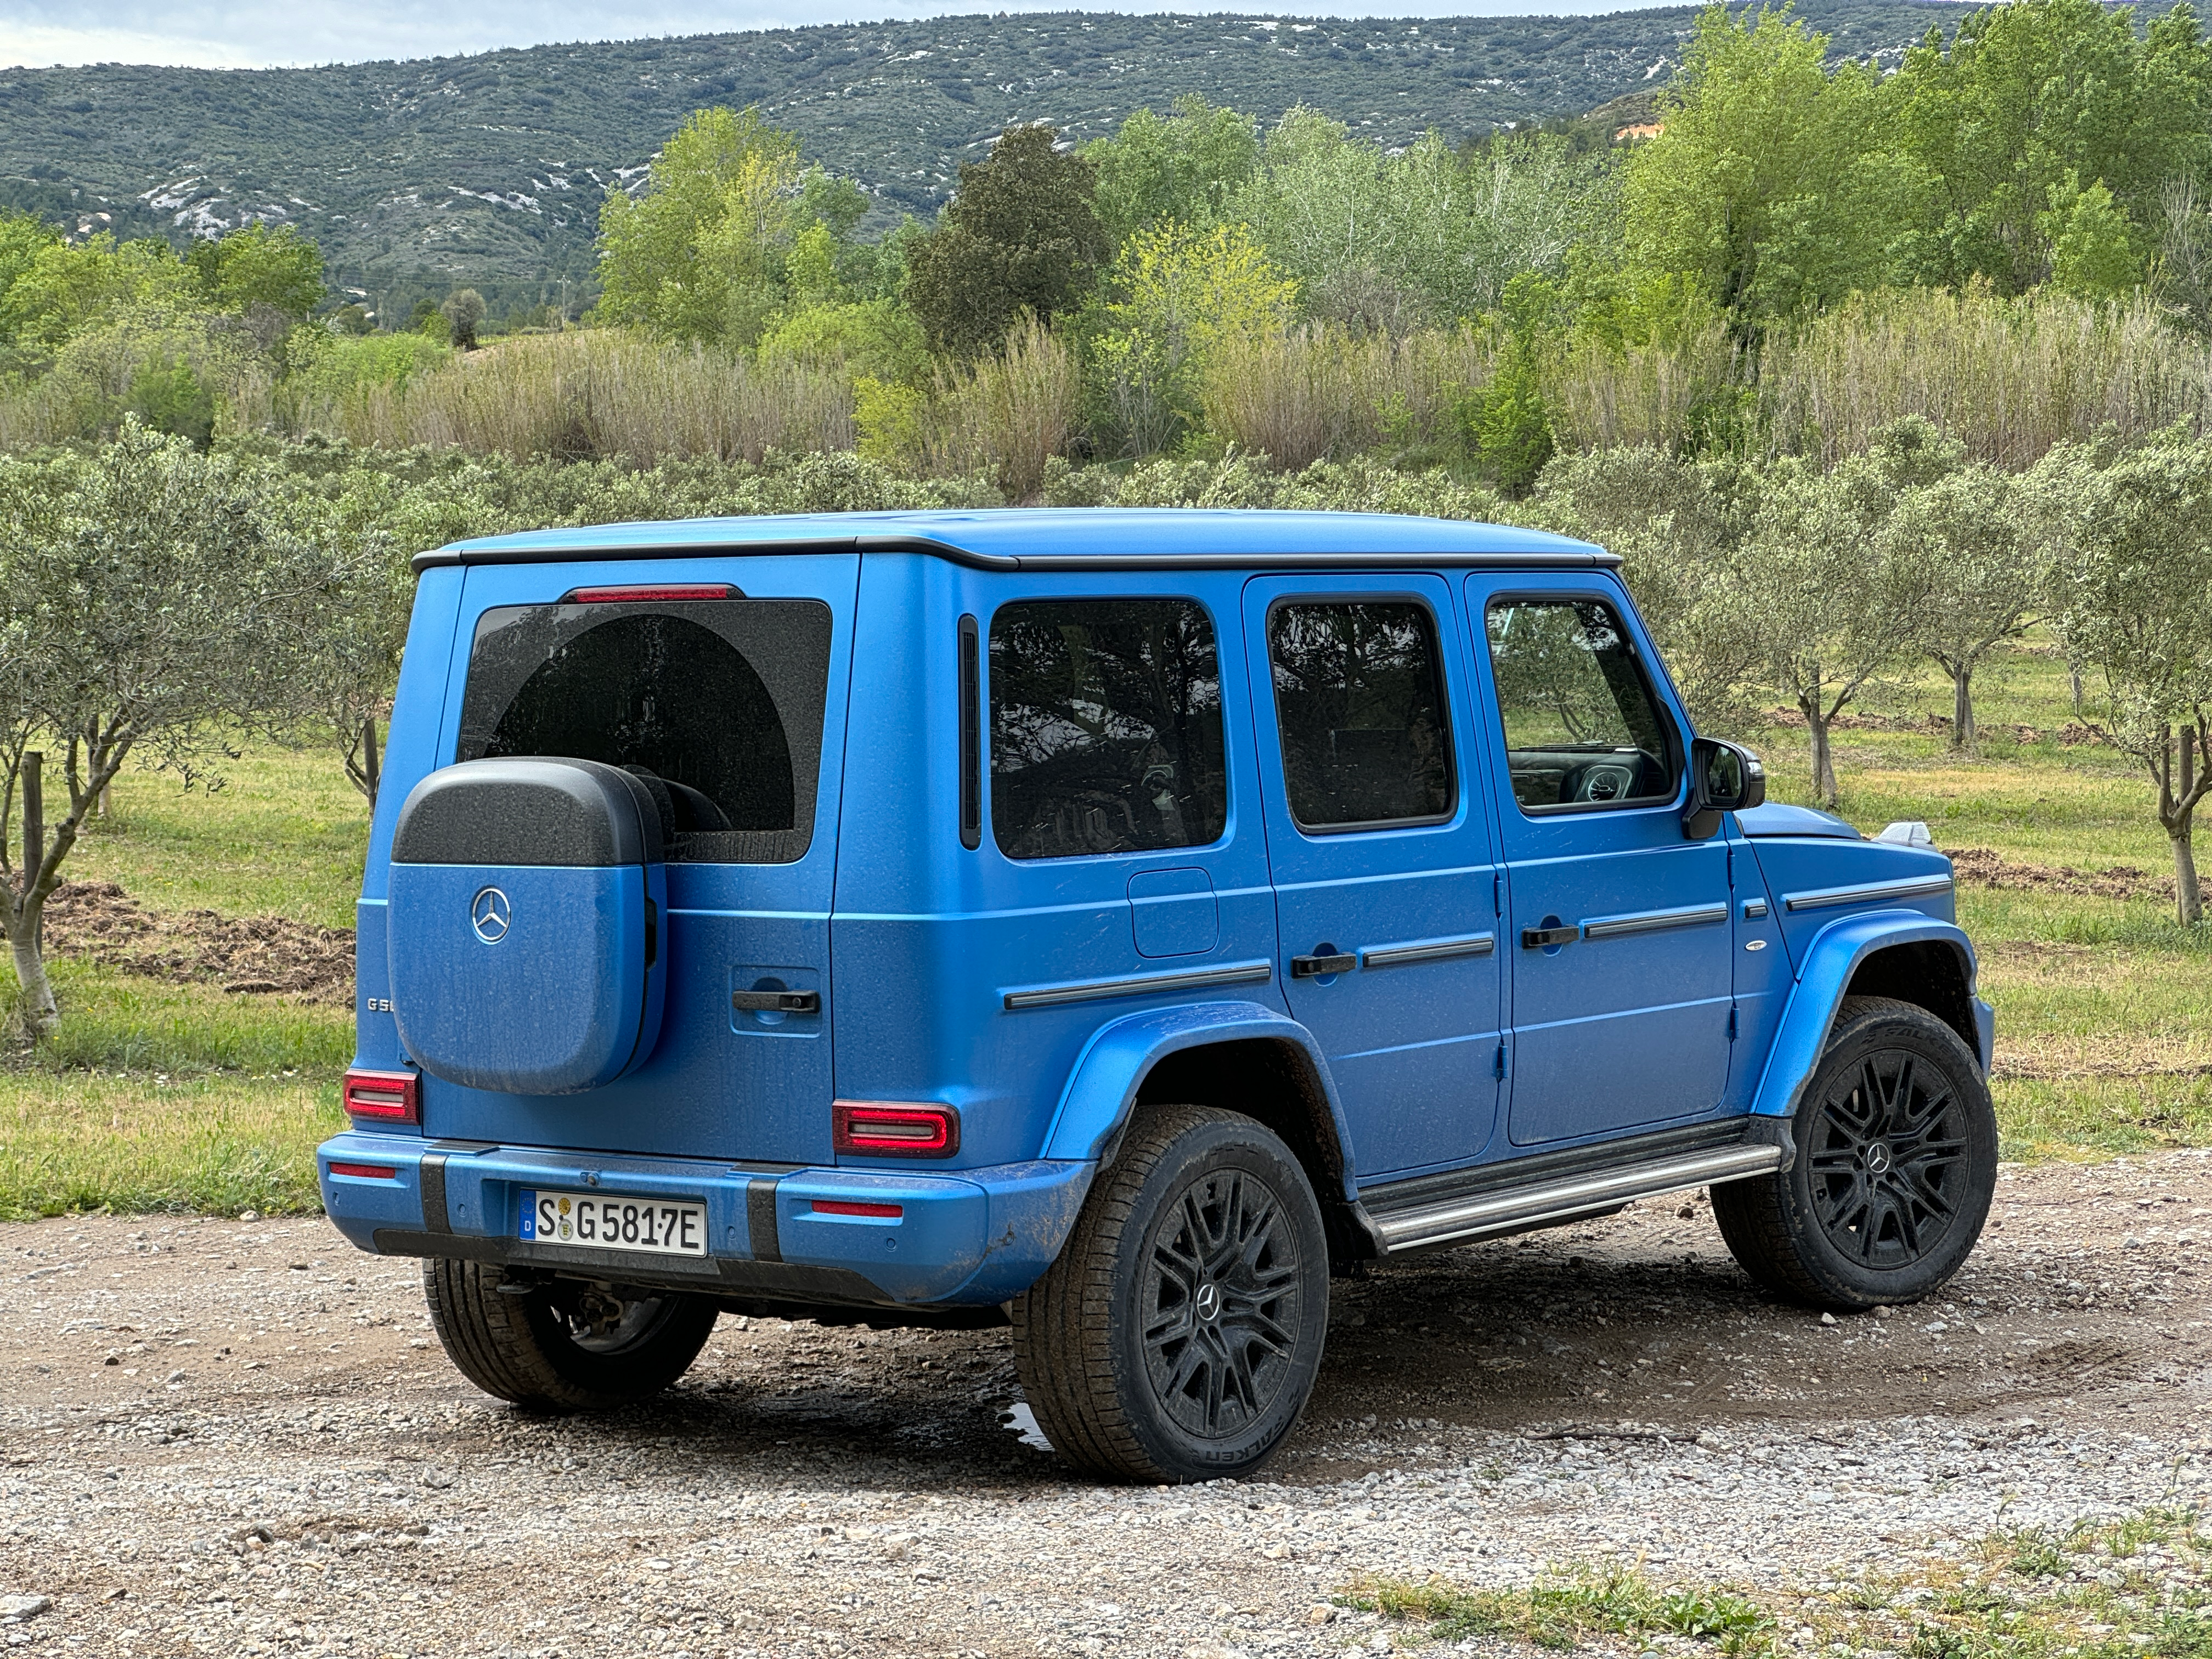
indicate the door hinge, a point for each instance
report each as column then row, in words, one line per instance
column 1731, row 1024
column 1731, row 869
column 1497, row 893
column 1498, row 1063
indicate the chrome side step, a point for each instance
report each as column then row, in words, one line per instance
column 1454, row 1220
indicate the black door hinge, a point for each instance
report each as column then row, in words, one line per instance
column 1498, row 1063
column 1731, row 1025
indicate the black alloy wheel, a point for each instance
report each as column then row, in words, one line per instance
column 1220, row 1292
column 1896, row 1163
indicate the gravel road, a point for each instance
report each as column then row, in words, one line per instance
column 232, row 1438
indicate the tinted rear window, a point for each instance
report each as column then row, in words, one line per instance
column 1105, row 728
column 720, row 697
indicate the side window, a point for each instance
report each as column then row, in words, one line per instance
column 1582, row 728
column 1359, row 697
column 720, row 700
column 1106, row 730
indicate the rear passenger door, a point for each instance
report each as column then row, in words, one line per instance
column 1619, row 928
column 1385, row 881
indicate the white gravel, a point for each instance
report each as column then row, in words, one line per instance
column 241, row 1438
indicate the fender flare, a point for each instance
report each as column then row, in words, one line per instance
column 1831, row 959
column 1102, row 1087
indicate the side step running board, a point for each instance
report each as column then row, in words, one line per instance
column 1453, row 1220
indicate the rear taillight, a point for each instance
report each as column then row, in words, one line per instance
column 366, row 1171
column 843, row 1207
column 384, row 1097
column 662, row 593
column 879, row 1130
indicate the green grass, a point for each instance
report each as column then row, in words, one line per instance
column 160, row 1096
column 2116, row 1588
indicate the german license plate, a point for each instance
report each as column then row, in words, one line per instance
column 610, row 1221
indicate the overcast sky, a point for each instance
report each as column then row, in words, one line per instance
column 255, row 32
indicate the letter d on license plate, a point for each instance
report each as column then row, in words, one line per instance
column 610, row 1221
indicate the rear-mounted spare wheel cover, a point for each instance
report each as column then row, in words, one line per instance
column 527, row 899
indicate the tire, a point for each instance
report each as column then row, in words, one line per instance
column 563, row 1346
column 1896, row 1163
column 1141, row 1358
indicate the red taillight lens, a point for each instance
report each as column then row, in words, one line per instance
column 661, row 594
column 366, row 1171
column 840, row 1207
column 384, row 1097
column 874, row 1130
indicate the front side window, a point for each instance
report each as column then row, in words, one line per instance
column 1582, row 727
column 1359, row 696
column 1106, row 731
column 720, row 700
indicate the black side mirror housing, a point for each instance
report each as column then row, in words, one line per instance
column 1725, row 777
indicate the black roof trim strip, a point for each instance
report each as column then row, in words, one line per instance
column 1531, row 561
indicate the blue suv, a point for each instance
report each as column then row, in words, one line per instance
column 1112, row 923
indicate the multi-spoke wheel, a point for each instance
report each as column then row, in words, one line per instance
column 563, row 1346
column 1178, row 1334
column 1896, row 1154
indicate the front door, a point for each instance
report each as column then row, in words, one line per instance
column 1386, row 886
column 1619, row 926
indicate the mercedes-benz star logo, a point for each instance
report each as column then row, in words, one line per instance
column 489, row 913
column 1209, row 1302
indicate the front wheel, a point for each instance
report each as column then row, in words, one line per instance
column 1896, row 1164
column 565, row 1347
column 1178, row 1335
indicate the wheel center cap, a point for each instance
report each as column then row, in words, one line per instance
column 1207, row 1303
column 1879, row 1158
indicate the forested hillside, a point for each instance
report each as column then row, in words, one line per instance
column 491, row 169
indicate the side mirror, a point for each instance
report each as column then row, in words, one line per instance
column 1725, row 777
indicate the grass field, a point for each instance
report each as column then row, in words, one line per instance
column 178, row 1096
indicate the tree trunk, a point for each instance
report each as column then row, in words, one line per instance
column 1825, row 792
column 35, row 1008
column 2188, row 898
column 1962, row 708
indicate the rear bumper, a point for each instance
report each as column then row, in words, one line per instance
column 974, row 1239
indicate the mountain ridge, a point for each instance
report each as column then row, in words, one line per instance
column 417, row 175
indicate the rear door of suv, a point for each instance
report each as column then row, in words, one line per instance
column 727, row 679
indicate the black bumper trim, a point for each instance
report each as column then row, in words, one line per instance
column 781, row 1280
column 760, row 1218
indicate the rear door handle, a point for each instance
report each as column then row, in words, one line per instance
column 1538, row 939
column 776, row 1002
column 1319, row 967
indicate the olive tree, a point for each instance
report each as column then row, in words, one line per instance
column 1973, row 540
column 1834, row 608
column 2133, row 603
column 150, row 606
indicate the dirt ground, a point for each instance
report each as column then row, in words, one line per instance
column 241, row 1438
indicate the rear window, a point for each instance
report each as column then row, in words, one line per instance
column 721, row 700
column 1105, row 728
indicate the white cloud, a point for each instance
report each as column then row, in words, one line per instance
column 261, row 32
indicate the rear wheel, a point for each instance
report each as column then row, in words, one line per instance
column 1178, row 1335
column 564, row 1346
column 1897, row 1162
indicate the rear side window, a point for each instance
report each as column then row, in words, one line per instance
column 1584, row 730
column 1359, row 697
column 1105, row 728
column 719, row 699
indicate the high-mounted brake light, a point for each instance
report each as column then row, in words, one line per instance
column 366, row 1171
column 384, row 1097
column 662, row 593
column 878, row 1129
column 842, row 1207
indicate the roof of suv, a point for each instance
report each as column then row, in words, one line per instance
column 1059, row 538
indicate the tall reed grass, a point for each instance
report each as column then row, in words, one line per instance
column 1319, row 392
column 1008, row 414
column 2007, row 377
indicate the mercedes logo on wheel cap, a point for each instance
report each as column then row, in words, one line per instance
column 489, row 913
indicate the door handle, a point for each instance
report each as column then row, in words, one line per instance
column 776, row 1002
column 1539, row 938
column 1320, row 967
